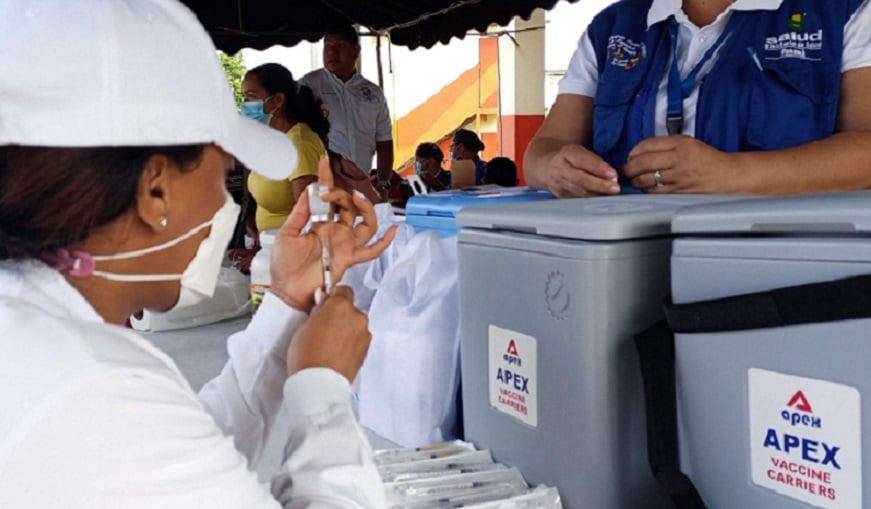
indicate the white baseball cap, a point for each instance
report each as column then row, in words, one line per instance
column 88, row 73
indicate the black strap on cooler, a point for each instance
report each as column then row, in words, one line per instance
column 831, row 301
column 656, row 352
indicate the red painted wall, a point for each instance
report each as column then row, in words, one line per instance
column 516, row 133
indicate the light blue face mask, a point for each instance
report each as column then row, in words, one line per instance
column 254, row 110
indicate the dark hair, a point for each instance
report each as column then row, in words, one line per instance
column 346, row 32
column 430, row 151
column 501, row 171
column 469, row 140
column 53, row 197
column 301, row 105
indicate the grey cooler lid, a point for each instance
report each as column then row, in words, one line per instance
column 813, row 213
column 629, row 216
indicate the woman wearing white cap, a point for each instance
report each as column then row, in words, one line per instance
column 116, row 129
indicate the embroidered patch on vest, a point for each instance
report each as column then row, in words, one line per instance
column 624, row 52
column 796, row 22
column 795, row 43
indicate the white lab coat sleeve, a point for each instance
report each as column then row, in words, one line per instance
column 138, row 438
column 132, row 438
column 328, row 460
column 245, row 398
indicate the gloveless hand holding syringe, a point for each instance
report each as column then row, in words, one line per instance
column 329, row 225
column 329, row 214
column 319, row 213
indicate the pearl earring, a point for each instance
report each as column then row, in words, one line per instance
column 163, row 221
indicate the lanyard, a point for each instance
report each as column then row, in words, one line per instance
column 680, row 89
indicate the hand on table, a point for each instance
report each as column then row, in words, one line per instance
column 578, row 172
column 685, row 165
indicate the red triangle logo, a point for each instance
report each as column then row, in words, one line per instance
column 512, row 348
column 800, row 402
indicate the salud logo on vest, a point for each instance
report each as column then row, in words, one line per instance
column 624, row 52
column 795, row 43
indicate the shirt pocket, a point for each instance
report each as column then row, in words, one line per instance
column 367, row 114
column 611, row 108
column 792, row 103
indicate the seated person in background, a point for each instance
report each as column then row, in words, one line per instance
column 428, row 166
column 785, row 111
column 466, row 146
column 502, row 172
column 274, row 98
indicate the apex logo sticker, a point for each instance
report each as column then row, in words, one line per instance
column 800, row 402
column 799, row 412
column 511, row 356
column 806, row 439
column 513, row 379
column 624, row 52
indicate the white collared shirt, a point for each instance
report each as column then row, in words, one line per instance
column 582, row 75
column 94, row 416
column 358, row 114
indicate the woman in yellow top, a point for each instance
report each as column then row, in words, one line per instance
column 273, row 97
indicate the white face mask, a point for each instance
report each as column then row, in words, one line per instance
column 200, row 277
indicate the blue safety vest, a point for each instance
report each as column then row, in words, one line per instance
column 774, row 84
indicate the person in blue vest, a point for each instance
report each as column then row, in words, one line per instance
column 720, row 96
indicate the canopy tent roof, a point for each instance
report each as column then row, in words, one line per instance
column 259, row 24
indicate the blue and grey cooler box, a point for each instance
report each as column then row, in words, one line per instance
column 772, row 319
column 551, row 294
column 438, row 211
